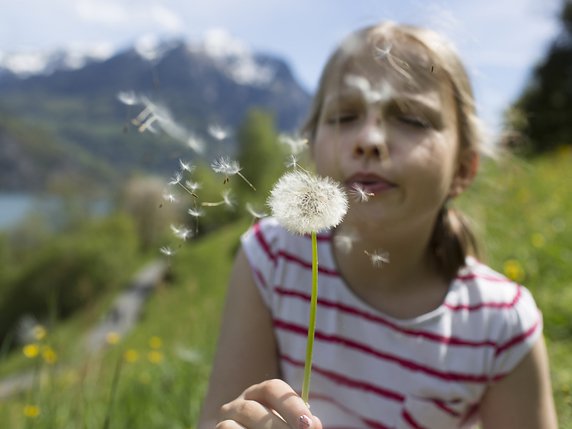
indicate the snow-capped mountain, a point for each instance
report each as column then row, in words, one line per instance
column 213, row 81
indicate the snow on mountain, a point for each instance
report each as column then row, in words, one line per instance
column 29, row 63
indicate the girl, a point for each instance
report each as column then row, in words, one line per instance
column 432, row 338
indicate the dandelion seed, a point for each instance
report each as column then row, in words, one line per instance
column 167, row 251
column 176, row 179
column 181, row 232
column 170, row 197
column 382, row 53
column 229, row 167
column 128, row 97
column 360, row 83
column 359, row 194
column 186, row 166
column 292, row 162
column 218, row 132
column 378, row 257
column 345, row 242
column 304, row 203
column 227, row 199
column 193, row 186
column 254, row 213
column 296, row 144
column 196, row 212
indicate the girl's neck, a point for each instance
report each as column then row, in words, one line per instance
column 407, row 285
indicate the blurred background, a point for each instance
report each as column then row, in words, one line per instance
column 112, row 268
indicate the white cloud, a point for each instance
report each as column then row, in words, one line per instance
column 166, row 18
column 101, row 12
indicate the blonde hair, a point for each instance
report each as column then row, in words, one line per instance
column 417, row 54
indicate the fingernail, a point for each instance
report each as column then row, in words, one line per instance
column 304, row 422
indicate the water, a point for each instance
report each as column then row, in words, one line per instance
column 14, row 207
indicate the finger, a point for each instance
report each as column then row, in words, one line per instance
column 280, row 397
column 229, row 424
column 251, row 414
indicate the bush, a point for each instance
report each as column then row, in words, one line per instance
column 70, row 271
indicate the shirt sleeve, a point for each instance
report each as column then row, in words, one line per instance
column 260, row 244
column 522, row 327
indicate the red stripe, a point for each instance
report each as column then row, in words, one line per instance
column 373, row 318
column 346, row 381
column 259, row 277
column 286, row 255
column 518, row 339
column 411, row 421
column 406, row 364
column 443, row 406
column 497, row 305
column 349, row 411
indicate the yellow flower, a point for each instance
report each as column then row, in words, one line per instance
column 155, row 356
column 31, row 411
column 131, row 356
column 513, row 270
column 39, row 332
column 31, row 350
column 155, row 343
column 112, row 337
column 49, row 354
column 538, row 240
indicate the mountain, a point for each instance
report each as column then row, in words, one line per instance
column 177, row 90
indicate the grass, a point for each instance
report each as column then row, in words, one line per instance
column 160, row 369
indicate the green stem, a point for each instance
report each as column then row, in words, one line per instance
column 312, row 321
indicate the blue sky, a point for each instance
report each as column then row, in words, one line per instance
column 500, row 40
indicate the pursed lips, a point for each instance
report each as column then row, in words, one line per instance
column 369, row 182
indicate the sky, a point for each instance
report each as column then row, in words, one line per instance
column 499, row 40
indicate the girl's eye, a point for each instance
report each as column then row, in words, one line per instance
column 342, row 118
column 414, row 121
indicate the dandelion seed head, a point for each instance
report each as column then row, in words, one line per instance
column 225, row 166
column 304, row 203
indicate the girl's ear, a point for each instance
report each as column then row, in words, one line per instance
column 468, row 167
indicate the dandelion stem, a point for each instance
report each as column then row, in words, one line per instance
column 312, row 321
column 246, row 180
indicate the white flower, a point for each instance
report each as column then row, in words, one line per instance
column 304, row 203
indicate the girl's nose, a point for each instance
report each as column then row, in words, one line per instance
column 371, row 140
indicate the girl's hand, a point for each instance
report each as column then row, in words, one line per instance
column 272, row 404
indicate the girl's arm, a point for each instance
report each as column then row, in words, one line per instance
column 523, row 399
column 246, row 352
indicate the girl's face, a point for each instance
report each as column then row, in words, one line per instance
column 395, row 141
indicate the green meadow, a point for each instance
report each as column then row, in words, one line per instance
column 156, row 375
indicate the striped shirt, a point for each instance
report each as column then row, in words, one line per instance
column 371, row 370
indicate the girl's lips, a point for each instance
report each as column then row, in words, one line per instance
column 370, row 183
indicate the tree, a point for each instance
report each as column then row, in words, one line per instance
column 260, row 156
column 545, row 107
